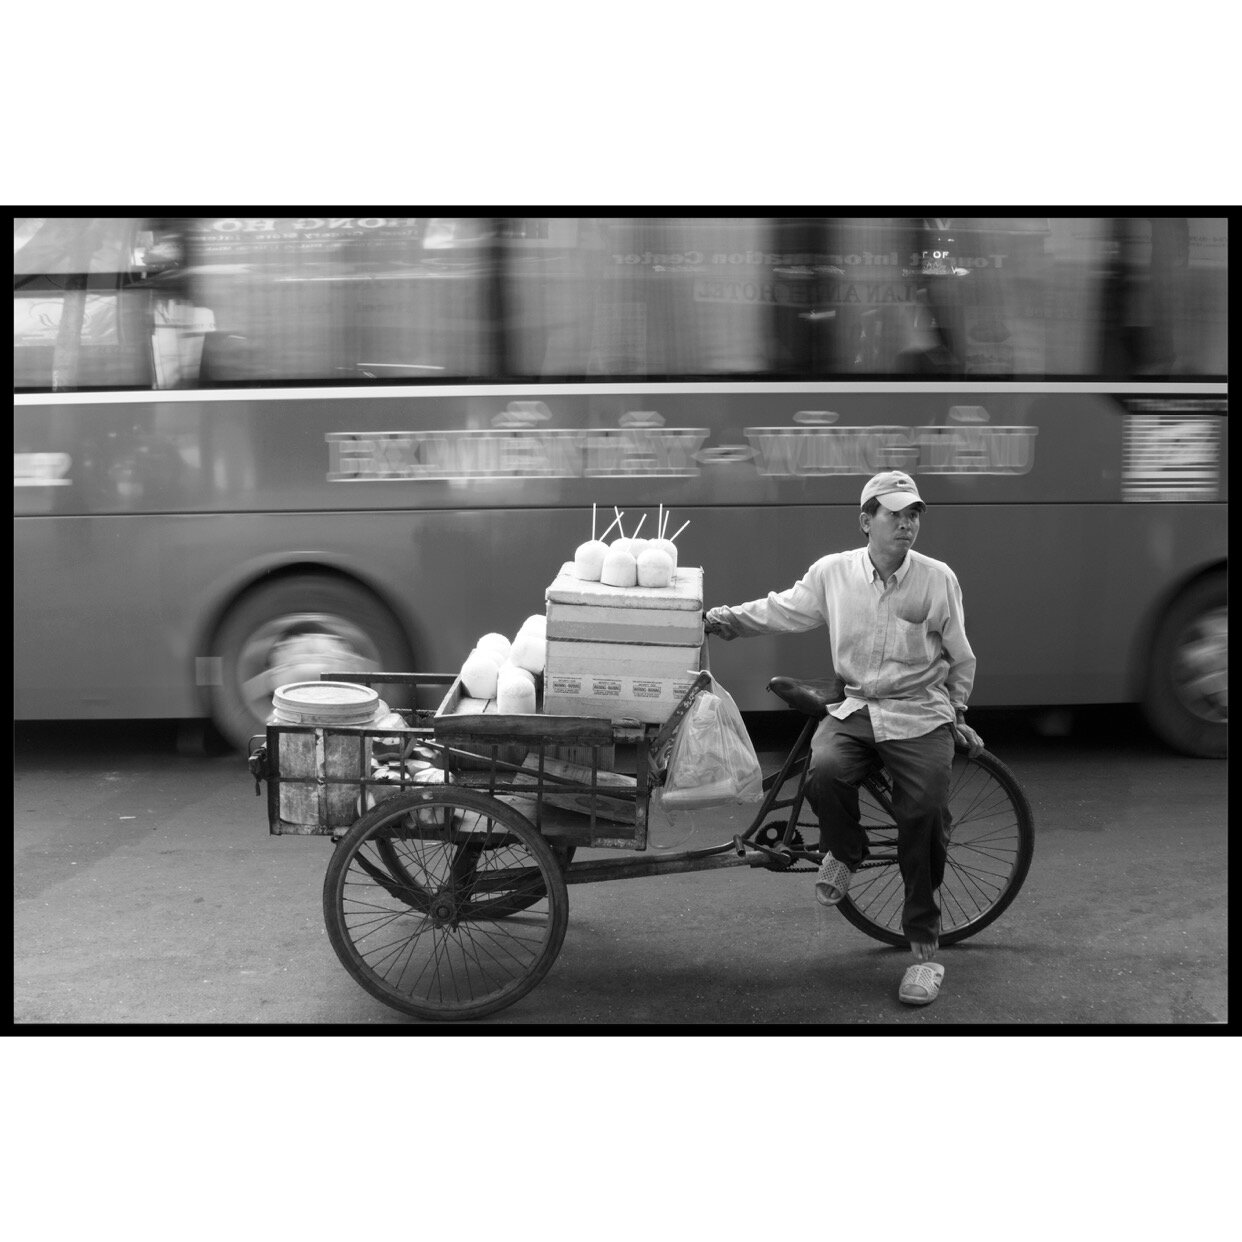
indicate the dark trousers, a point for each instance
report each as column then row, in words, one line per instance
column 842, row 754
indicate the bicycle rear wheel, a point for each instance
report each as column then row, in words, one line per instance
column 445, row 904
column 991, row 843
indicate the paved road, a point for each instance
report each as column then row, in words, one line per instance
column 147, row 890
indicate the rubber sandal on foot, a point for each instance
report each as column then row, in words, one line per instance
column 832, row 882
column 921, row 983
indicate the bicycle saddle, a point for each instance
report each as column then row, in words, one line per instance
column 809, row 698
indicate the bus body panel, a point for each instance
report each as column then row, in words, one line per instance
column 1032, row 501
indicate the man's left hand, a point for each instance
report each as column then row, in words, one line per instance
column 967, row 738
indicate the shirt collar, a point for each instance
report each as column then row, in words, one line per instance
column 871, row 573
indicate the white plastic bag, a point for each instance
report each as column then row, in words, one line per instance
column 712, row 762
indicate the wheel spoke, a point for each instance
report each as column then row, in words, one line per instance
column 988, row 850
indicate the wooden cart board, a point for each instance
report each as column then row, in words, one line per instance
column 617, row 810
column 465, row 720
column 594, row 611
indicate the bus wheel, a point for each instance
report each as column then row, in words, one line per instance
column 293, row 629
column 1187, row 699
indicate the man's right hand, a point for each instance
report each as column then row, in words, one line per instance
column 717, row 622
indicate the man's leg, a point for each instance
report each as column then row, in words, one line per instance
column 920, row 769
column 842, row 753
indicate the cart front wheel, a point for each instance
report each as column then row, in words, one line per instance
column 445, row 904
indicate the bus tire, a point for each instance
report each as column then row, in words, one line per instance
column 292, row 629
column 1186, row 699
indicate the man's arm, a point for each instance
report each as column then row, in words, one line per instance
column 961, row 678
column 783, row 612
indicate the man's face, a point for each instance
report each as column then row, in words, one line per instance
column 892, row 533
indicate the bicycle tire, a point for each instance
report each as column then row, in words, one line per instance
column 991, row 844
column 477, row 965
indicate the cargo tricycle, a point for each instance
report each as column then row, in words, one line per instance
column 446, row 894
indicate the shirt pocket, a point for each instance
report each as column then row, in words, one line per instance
column 912, row 642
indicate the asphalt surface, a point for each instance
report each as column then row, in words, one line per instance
column 148, row 891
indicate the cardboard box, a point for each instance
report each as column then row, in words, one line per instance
column 616, row 697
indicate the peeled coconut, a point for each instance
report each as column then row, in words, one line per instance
column 620, row 569
column 668, row 546
column 655, row 568
column 479, row 673
column 509, row 669
column 497, row 644
column 515, row 691
column 589, row 559
column 638, row 547
column 530, row 647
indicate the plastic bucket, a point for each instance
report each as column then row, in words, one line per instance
column 304, row 797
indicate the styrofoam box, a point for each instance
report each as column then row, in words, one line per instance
column 596, row 612
column 642, row 660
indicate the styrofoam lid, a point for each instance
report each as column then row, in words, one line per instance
column 338, row 702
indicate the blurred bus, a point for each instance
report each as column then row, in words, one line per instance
column 249, row 449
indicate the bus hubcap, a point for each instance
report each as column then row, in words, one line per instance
column 1201, row 666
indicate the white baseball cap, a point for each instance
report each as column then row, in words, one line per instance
column 893, row 489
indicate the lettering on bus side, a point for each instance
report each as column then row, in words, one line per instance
column 628, row 452
column 962, row 449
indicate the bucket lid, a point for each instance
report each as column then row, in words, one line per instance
column 327, row 702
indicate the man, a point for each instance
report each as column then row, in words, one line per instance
column 898, row 643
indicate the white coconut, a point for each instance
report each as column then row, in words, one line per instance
column 668, row 546
column 515, row 691
column 621, row 545
column 620, row 568
column 509, row 669
column 638, row 547
column 497, row 644
column 655, row 568
column 589, row 559
column 530, row 647
column 479, row 673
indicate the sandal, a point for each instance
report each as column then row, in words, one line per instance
column 921, row 983
column 832, row 882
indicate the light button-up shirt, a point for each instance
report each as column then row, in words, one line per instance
column 899, row 646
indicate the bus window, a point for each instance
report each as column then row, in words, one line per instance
column 641, row 297
column 327, row 299
column 1164, row 298
column 945, row 298
column 79, row 307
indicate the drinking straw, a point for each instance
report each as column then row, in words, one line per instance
column 679, row 530
column 592, row 523
column 660, row 523
column 612, row 524
column 639, row 526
